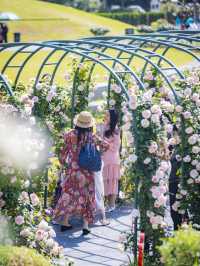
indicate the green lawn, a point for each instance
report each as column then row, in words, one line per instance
column 77, row 25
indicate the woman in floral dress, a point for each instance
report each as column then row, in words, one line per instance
column 78, row 191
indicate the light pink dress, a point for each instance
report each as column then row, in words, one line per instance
column 111, row 168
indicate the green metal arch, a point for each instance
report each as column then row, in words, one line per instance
column 113, row 72
column 108, row 45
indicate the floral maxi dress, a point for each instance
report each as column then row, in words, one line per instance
column 78, row 190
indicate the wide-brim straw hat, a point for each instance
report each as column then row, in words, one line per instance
column 84, row 120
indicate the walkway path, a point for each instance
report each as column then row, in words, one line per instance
column 102, row 246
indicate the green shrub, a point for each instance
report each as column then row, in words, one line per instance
column 134, row 18
column 99, row 31
column 162, row 25
column 145, row 29
column 18, row 256
column 181, row 250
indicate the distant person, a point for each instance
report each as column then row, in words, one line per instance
column 5, row 32
column 1, row 33
column 189, row 22
column 179, row 21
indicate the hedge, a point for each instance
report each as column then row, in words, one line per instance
column 136, row 18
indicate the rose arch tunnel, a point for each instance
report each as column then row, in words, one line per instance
column 111, row 57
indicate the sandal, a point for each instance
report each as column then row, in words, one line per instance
column 86, row 231
column 64, row 228
column 104, row 222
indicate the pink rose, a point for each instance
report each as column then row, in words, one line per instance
column 155, row 179
column 149, row 76
column 40, row 234
column 24, row 196
column 19, row 220
column 162, row 200
column 146, row 114
column 34, row 199
column 163, row 189
column 25, row 232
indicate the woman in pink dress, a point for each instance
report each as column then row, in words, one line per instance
column 78, row 191
column 111, row 158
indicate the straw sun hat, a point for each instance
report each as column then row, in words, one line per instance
column 84, row 120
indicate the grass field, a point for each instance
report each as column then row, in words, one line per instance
column 76, row 25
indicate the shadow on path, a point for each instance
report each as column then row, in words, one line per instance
column 101, row 247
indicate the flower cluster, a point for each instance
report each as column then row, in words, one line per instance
column 32, row 229
column 188, row 151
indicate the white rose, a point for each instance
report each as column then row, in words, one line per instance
column 155, row 118
column 187, row 92
column 169, row 128
column 133, row 105
column 155, row 109
column 194, row 173
column 193, row 139
column 133, row 158
column 25, row 232
column 195, row 149
column 38, row 86
column 187, row 159
column 26, row 183
column 195, row 97
column 189, row 130
column 147, row 160
column 187, row 115
column 190, row 181
column 179, row 109
column 198, row 103
column 194, row 162
column 43, row 225
column 198, row 167
column 145, row 123
column 146, row 114
column 183, row 192
column 147, row 96
column 80, row 88
column 50, row 243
